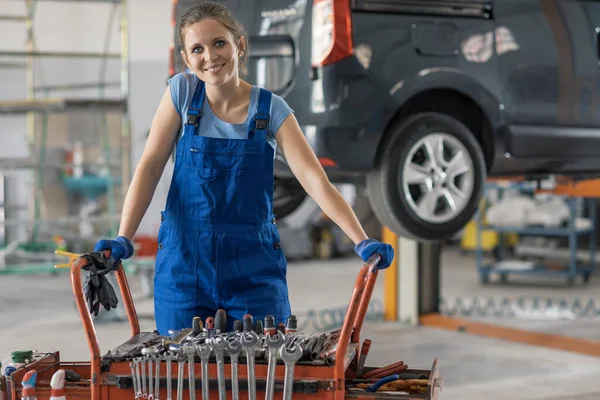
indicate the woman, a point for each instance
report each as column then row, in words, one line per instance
column 218, row 242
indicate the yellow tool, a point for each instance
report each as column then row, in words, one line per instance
column 72, row 257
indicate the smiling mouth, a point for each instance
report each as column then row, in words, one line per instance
column 215, row 69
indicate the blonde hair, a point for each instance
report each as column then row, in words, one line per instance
column 218, row 12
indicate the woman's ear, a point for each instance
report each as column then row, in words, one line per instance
column 242, row 47
column 184, row 57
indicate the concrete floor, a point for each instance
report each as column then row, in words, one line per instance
column 38, row 312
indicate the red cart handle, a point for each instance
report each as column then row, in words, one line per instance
column 86, row 318
column 355, row 315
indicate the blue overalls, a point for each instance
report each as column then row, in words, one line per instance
column 218, row 242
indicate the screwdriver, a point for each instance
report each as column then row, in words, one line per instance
column 292, row 324
column 237, row 325
column 210, row 327
column 269, row 325
column 197, row 326
column 221, row 321
column 248, row 323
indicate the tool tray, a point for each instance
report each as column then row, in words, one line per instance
column 110, row 377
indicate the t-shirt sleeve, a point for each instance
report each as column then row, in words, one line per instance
column 180, row 86
column 280, row 110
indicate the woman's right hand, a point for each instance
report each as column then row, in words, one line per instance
column 120, row 248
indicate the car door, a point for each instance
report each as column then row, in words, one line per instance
column 582, row 23
column 527, row 42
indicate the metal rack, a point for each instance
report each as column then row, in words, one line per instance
column 573, row 267
column 37, row 106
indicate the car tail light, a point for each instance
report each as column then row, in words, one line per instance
column 172, row 44
column 331, row 31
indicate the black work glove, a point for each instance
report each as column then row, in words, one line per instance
column 97, row 289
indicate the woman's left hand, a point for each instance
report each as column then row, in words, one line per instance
column 368, row 247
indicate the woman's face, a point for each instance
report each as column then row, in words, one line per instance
column 211, row 52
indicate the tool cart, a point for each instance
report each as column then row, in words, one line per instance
column 252, row 361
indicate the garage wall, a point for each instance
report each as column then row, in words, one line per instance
column 82, row 26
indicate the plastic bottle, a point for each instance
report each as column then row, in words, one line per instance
column 28, row 383
column 8, row 371
column 57, row 385
column 78, row 159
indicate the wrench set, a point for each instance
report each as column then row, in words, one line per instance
column 210, row 345
column 248, row 360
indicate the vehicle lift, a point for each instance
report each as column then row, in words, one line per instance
column 113, row 376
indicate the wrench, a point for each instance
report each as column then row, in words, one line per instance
column 218, row 344
column 169, row 357
column 143, row 366
column 150, row 355
column 137, row 361
column 204, row 352
column 134, row 378
column 157, row 359
column 189, row 350
column 289, row 357
column 250, row 342
column 274, row 342
column 234, row 348
column 181, row 362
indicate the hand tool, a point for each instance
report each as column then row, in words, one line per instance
column 218, row 344
column 134, row 379
column 309, row 346
column 169, row 356
column 384, row 370
column 248, row 323
column 234, row 348
column 157, row 358
column 204, row 352
column 150, row 353
column 221, row 321
column 238, row 326
column 143, row 367
column 364, row 351
column 318, row 347
column 269, row 326
column 137, row 361
column 250, row 342
column 177, row 337
column 381, row 382
column 197, row 326
column 181, row 357
column 292, row 324
column 289, row 357
column 281, row 327
column 273, row 342
column 258, row 327
column 210, row 327
column 189, row 350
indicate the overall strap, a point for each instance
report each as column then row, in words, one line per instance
column 193, row 114
column 258, row 126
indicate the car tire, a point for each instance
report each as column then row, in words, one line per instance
column 288, row 196
column 412, row 195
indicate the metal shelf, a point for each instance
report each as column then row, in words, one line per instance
column 58, row 104
column 38, row 129
column 504, row 266
column 59, row 54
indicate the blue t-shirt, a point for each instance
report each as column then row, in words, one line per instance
column 182, row 88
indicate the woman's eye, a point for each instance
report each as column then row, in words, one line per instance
column 197, row 50
column 220, row 43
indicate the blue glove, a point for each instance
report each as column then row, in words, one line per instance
column 368, row 247
column 120, row 248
